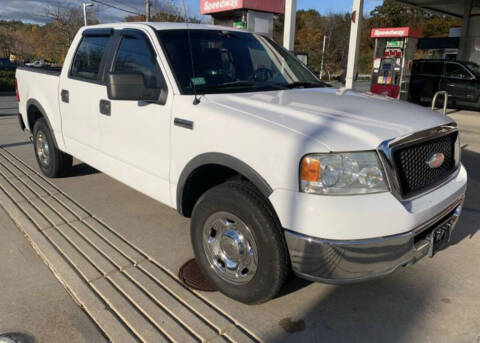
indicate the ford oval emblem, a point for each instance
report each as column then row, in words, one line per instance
column 436, row 160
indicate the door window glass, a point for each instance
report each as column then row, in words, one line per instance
column 417, row 67
column 432, row 68
column 456, row 71
column 136, row 55
column 86, row 62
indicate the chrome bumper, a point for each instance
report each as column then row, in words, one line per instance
column 340, row 262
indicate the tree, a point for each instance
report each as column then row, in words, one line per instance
column 165, row 11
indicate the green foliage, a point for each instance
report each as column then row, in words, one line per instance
column 7, row 81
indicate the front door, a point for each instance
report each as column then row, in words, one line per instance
column 135, row 135
column 458, row 82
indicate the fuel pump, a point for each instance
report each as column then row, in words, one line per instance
column 393, row 56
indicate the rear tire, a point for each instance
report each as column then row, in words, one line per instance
column 52, row 161
column 238, row 243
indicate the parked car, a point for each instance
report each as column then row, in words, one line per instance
column 36, row 64
column 5, row 64
column 460, row 79
column 275, row 170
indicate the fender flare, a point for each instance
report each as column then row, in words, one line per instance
column 223, row 160
column 33, row 102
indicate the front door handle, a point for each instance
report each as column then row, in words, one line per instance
column 105, row 107
column 65, row 95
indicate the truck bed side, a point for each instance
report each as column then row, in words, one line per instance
column 38, row 89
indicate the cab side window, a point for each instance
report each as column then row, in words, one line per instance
column 136, row 55
column 433, row 68
column 89, row 54
column 456, row 71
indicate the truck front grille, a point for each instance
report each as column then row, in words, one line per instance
column 414, row 173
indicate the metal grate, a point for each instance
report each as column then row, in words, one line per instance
column 415, row 175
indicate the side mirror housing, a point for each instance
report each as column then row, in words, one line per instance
column 132, row 86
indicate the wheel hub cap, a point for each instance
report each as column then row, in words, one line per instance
column 230, row 248
column 43, row 150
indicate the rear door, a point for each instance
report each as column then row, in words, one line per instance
column 135, row 135
column 81, row 88
column 459, row 82
column 431, row 73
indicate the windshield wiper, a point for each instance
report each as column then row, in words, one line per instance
column 305, row 84
column 240, row 84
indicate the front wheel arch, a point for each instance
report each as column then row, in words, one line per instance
column 227, row 165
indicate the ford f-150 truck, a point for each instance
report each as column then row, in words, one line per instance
column 276, row 170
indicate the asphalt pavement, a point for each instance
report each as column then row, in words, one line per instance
column 8, row 104
column 436, row 300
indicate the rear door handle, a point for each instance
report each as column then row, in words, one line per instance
column 105, row 107
column 65, row 95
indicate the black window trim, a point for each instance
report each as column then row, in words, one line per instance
column 97, row 32
column 93, row 33
column 472, row 77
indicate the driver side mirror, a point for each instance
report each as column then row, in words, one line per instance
column 132, row 86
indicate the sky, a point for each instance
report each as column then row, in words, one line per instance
column 34, row 10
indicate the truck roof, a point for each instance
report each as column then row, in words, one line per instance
column 162, row 26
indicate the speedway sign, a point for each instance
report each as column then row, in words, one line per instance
column 211, row 6
column 395, row 32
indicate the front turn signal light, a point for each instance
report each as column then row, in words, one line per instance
column 310, row 169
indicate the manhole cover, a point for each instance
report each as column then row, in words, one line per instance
column 192, row 277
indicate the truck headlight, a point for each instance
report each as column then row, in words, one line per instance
column 342, row 174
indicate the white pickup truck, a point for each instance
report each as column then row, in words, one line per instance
column 276, row 170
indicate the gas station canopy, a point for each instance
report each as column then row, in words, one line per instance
column 451, row 7
column 216, row 6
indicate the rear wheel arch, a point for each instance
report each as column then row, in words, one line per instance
column 211, row 169
column 36, row 111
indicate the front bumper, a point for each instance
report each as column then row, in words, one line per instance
column 334, row 261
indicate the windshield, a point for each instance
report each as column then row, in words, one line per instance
column 230, row 61
column 474, row 68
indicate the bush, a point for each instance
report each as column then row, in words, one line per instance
column 7, row 81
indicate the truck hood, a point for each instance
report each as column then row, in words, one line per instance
column 341, row 121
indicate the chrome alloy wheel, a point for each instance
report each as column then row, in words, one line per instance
column 230, row 248
column 43, row 150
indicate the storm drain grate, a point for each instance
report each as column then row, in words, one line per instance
column 192, row 277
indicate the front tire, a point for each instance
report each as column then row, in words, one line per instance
column 238, row 243
column 52, row 162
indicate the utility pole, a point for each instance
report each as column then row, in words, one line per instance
column 290, row 19
column 147, row 10
column 323, row 55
